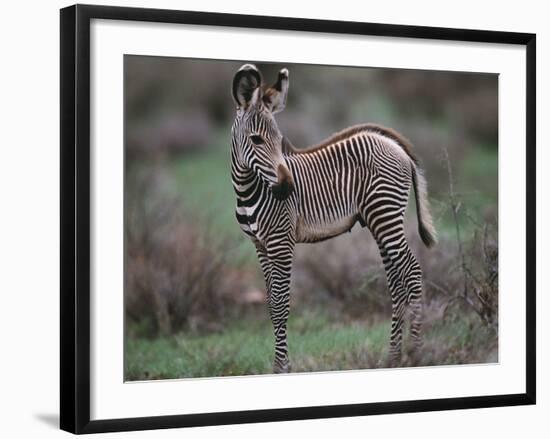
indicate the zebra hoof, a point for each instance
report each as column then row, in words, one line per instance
column 416, row 355
column 395, row 360
column 281, row 368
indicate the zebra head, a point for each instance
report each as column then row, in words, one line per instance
column 256, row 139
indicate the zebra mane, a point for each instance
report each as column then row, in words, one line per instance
column 290, row 149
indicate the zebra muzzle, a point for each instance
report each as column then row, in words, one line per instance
column 285, row 184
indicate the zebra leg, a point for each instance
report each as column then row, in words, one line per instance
column 406, row 274
column 396, row 335
column 281, row 363
column 415, row 300
column 280, row 257
column 392, row 245
column 405, row 282
column 398, row 298
column 265, row 264
column 416, row 306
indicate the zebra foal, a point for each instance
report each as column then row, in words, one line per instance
column 287, row 196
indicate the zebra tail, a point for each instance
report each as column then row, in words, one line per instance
column 426, row 227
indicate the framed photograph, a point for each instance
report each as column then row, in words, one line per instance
column 272, row 218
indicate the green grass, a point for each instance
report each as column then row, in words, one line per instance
column 315, row 342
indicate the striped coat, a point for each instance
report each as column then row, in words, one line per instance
column 287, row 196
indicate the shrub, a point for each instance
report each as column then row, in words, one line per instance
column 347, row 271
column 176, row 273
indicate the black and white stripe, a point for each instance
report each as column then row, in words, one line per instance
column 363, row 174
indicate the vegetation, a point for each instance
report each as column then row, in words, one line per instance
column 194, row 293
column 317, row 343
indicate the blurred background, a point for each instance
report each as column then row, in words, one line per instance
column 194, row 292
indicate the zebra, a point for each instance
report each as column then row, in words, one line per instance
column 287, row 196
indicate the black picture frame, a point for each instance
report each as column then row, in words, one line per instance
column 75, row 217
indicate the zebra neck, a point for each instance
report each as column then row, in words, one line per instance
column 247, row 185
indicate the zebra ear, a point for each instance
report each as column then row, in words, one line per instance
column 275, row 96
column 247, row 86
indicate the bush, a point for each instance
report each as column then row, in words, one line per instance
column 471, row 276
column 347, row 271
column 176, row 274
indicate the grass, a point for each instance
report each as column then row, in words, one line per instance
column 316, row 343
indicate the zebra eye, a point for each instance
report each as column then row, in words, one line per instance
column 257, row 140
